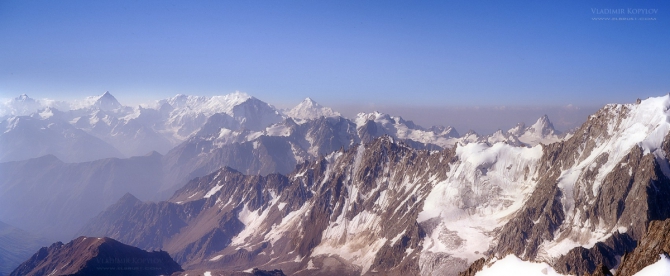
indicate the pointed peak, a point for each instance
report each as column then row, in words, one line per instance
column 542, row 126
column 128, row 198
column 543, row 122
column 309, row 109
column 106, row 96
column 23, row 98
column 309, row 100
column 107, row 102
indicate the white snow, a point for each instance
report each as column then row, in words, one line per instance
column 278, row 130
column 511, row 265
column 309, row 110
column 46, row 113
column 208, row 273
column 216, row 258
column 483, row 189
column 659, row 268
column 213, row 190
column 644, row 124
column 252, row 221
column 396, row 126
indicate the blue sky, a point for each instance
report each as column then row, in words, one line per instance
column 374, row 53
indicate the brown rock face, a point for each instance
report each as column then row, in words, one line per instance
column 654, row 243
column 355, row 211
column 475, row 267
column 198, row 225
column 601, row 270
column 97, row 256
column 581, row 261
column 633, row 193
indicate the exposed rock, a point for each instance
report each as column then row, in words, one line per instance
column 96, row 256
column 580, row 260
column 202, row 222
column 628, row 196
column 475, row 267
column 654, row 243
column 601, row 270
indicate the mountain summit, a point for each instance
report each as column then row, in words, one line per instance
column 107, row 102
column 97, row 256
column 309, row 109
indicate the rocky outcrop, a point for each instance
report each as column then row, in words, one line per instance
column 603, row 255
column 96, row 256
column 475, row 267
column 601, row 270
column 654, row 243
column 624, row 198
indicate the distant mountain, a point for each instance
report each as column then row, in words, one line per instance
column 541, row 132
column 373, row 125
column 200, row 135
column 54, row 199
column 309, row 109
column 16, row 246
column 232, row 118
column 19, row 106
column 281, row 146
column 575, row 204
column 96, row 256
column 45, row 133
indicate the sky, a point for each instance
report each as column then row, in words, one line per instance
column 418, row 56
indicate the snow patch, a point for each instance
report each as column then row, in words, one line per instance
column 213, row 191
column 661, row 267
column 512, row 265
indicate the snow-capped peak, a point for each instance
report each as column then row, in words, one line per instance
column 24, row 98
column 21, row 105
column 207, row 105
column 542, row 126
column 541, row 132
column 104, row 102
column 107, row 102
column 309, row 109
column 517, row 130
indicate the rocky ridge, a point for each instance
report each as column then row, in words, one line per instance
column 96, row 256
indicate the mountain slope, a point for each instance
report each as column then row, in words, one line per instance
column 53, row 199
column 610, row 177
column 27, row 137
column 96, row 256
column 573, row 204
column 309, row 109
column 327, row 210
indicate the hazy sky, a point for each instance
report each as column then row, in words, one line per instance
column 372, row 53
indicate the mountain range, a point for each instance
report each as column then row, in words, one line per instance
column 310, row 192
column 205, row 133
